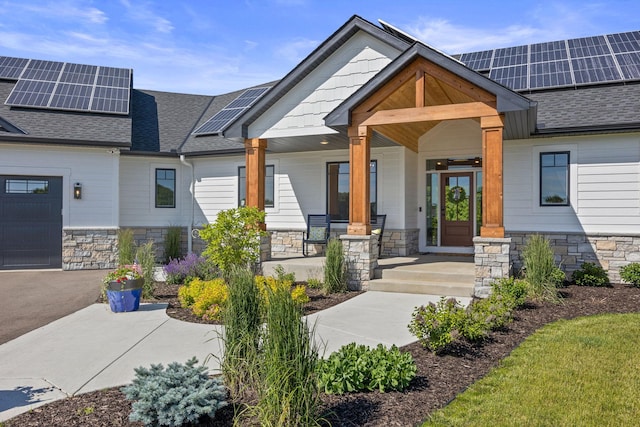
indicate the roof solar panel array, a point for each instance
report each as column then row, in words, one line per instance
column 219, row 121
column 66, row 86
column 573, row 62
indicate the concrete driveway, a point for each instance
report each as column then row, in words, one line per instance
column 34, row 298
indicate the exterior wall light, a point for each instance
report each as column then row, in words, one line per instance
column 77, row 191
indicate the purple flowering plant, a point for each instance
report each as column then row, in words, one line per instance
column 192, row 265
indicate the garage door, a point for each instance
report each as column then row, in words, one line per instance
column 30, row 222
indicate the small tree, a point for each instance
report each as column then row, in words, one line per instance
column 234, row 238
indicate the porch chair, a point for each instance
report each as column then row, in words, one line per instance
column 318, row 229
column 377, row 228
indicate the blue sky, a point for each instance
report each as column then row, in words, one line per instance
column 215, row 46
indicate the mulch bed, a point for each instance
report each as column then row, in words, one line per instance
column 439, row 379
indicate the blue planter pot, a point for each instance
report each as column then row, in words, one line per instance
column 124, row 297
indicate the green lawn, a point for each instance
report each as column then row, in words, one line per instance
column 581, row 372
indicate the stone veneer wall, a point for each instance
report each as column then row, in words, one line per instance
column 572, row 249
column 361, row 256
column 492, row 261
column 89, row 249
column 157, row 235
column 400, row 242
column 394, row 242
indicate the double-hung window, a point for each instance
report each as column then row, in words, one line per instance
column 554, row 178
column 338, row 190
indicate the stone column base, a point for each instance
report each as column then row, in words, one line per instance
column 492, row 262
column 361, row 256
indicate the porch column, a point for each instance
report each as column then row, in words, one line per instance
column 359, row 175
column 492, row 201
column 255, row 168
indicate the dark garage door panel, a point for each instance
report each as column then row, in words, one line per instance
column 30, row 223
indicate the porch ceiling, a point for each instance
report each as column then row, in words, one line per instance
column 336, row 141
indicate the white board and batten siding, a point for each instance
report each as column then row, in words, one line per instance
column 95, row 168
column 604, row 185
column 302, row 110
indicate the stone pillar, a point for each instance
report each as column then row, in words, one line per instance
column 361, row 256
column 492, row 262
column 265, row 248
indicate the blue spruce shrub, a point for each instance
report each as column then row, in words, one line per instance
column 175, row 396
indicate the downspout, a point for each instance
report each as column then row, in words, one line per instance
column 192, row 187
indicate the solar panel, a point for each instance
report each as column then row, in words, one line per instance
column 31, row 93
column 71, row 97
column 551, row 51
column 625, row 42
column 114, row 77
column 66, row 86
column 110, row 100
column 550, row 74
column 509, row 56
column 80, row 74
column 594, row 70
column 11, row 68
column 514, row 77
column 232, row 110
column 588, row 47
column 48, row 71
column 629, row 65
column 479, row 61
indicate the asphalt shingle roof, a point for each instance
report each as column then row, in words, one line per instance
column 596, row 106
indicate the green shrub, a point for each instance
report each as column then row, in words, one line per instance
column 126, row 247
column 283, row 276
column 288, row 389
column 174, row 396
column 242, row 334
column 631, row 274
column 207, row 299
column 146, row 257
column 359, row 368
column 590, row 274
column 540, row 268
column 335, row 268
column 234, row 238
column 173, row 244
column 486, row 315
column 436, row 324
column 516, row 289
column 313, row 283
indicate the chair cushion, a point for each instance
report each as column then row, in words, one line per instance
column 317, row 233
column 376, row 231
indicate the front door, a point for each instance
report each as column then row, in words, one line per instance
column 456, row 209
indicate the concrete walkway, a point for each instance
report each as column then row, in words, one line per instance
column 93, row 348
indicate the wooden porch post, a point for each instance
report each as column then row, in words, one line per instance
column 492, row 201
column 255, row 167
column 359, row 176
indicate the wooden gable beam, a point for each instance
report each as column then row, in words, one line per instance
column 425, row 114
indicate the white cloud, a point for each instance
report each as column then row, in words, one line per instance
column 142, row 13
column 296, row 51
